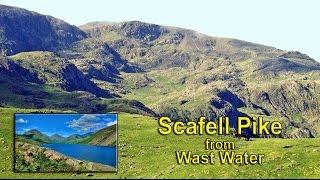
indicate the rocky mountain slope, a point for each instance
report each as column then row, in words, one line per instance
column 46, row 62
column 145, row 68
column 188, row 74
column 22, row 30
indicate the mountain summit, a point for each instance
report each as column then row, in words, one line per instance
column 22, row 30
column 188, row 74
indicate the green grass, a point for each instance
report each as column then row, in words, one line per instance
column 143, row 153
column 169, row 88
column 40, row 163
column 106, row 136
column 12, row 99
column 166, row 86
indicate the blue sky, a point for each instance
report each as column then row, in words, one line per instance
column 63, row 124
column 284, row 24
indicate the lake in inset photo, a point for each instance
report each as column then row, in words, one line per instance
column 65, row 142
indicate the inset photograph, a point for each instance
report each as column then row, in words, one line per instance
column 65, row 143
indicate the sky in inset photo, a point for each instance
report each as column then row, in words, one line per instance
column 63, row 124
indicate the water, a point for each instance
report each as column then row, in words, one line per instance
column 100, row 154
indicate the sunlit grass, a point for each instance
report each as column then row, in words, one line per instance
column 144, row 153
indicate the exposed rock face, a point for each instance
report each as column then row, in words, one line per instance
column 10, row 69
column 295, row 102
column 104, row 72
column 300, row 133
column 73, row 79
column 118, row 61
column 132, row 29
column 141, row 107
column 280, row 64
column 289, row 98
column 142, row 31
column 104, row 63
column 22, row 30
column 296, row 54
column 227, row 106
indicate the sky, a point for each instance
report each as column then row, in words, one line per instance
column 63, row 124
column 284, row 24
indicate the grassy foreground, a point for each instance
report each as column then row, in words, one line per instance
column 143, row 153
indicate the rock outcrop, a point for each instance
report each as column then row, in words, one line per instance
column 12, row 70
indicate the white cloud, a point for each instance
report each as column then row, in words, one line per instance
column 111, row 123
column 22, row 130
column 91, row 122
column 22, row 121
column 26, row 129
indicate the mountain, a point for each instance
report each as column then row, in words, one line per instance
column 22, row 30
column 76, row 138
column 159, row 47
column 187, row 74
column 47, row 63
column 150, row 69
column 37, row 136
column 106, row 137
column 36, row 80
column 57, row 138
column 59, row 72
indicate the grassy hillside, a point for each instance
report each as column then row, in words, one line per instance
column 141, row 149
column 35, row 135
column 39, row 160
column 30, row 157
column 187, row 74
column 20, row 87
column 106, row 136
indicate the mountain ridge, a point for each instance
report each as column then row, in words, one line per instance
column 106, row 136
column 209, row 65
column 184, row 74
